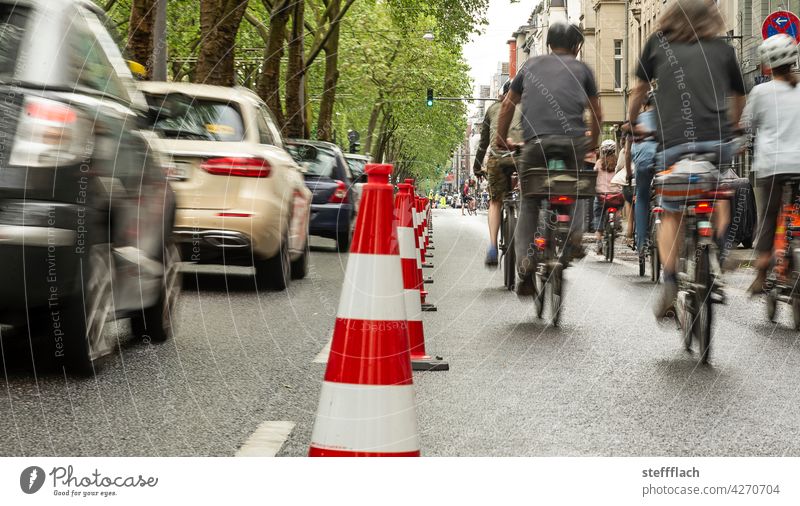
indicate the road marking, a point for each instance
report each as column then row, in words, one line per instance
column 322, row 357
column 267, row 440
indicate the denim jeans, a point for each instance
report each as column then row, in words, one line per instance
column 643, row 154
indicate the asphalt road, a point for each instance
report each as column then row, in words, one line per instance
column 609, row 381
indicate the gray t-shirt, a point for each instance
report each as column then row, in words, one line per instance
column 555, row 91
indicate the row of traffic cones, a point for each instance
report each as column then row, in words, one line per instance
column 366, row 405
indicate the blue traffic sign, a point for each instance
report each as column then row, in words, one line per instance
column 781, row 22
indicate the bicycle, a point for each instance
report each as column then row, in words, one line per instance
column 611, row 204
column 698, row 271
column 782, row 281
column 553, row 251
column 508, row 224
column 650, row 250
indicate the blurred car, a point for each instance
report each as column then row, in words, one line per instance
column 328, row 176
column 241, row 197
column 86, row 212
column 357, row 164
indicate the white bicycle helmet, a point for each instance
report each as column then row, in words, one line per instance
column 780, row 49
column 608, row 146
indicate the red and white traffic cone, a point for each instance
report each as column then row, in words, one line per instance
column 412, row 281
column 366, row 406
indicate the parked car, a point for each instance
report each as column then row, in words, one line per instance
column 357, row 165
column 241, row 197
column 328, row 177
column 86, row 212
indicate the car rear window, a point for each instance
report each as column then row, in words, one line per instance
column 323, row 165
column 203, row 120
column 357, row 166
column 13, row 19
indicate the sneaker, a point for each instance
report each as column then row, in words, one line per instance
column 525, row 287
column 757, row 286
column 491, row 257
column 665, row 304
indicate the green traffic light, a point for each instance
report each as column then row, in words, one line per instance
column 430, row 103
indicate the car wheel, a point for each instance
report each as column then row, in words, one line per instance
column 85, row 339
column 300, row 264
column 343, row 240
column 155, row 323
column 274, row 273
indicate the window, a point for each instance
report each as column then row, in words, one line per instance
column 13, row 19
column 617, row 64
column 264, row 133
column 316, row 161
column 205, row 120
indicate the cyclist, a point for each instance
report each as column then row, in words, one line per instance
column 554, row 91
column 605, row 167
column 696, row 72
column 498, row 181
column 466, row 194
column 773, row 114
column 642, row 154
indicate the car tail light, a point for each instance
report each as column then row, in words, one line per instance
column 540, row 243
column 704, row 229
column 339, row 194
column 234, row 215
column 50, row 134
column 237, row 166
column 704, row 207
column 562, row 200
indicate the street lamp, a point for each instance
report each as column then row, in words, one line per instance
column 429, row 36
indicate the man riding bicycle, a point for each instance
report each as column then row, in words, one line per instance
column 696, row 73
column 499, row 186
column 554, row 91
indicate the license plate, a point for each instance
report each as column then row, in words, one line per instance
column 178, row 171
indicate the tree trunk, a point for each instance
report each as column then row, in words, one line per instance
column 140, row 33
column 269, row 84
column 219, row 24
column 373, row 121
column 331, row 47
column 295, row 80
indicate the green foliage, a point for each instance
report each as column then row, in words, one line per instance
column 384, row 65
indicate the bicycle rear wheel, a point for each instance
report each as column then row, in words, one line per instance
column 704, row 315
column 556, row 286
column 652, row 246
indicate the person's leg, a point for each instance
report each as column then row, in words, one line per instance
column 644, row 179
column 598, row 215
column 498, row 184
column 770, row 192
column 524, row 248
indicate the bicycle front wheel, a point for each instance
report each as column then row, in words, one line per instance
column 509, row 256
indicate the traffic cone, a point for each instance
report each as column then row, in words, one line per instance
column 412, row 281
column 423, row 234
column 366, row 406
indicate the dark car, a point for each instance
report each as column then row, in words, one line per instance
column 86, row 211
column 328, row 177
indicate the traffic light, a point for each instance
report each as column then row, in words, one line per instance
column 430, row 97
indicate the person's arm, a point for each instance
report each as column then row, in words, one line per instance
column 486, row 132
column 597, row 119
column 628, row 170
column 504, row 120
column 638, row 96
column 737, row 107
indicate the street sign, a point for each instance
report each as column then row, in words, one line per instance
column 781, row 22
